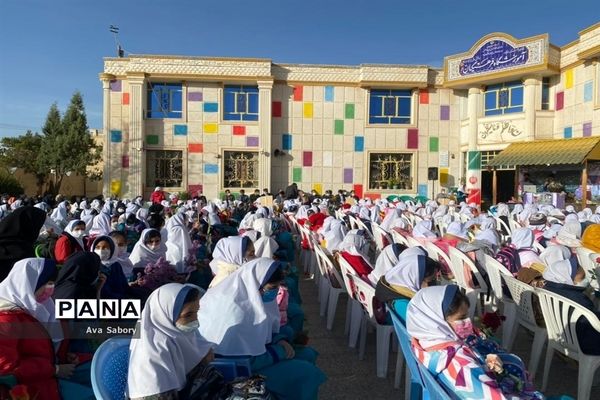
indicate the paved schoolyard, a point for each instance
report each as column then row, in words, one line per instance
column 349, row 378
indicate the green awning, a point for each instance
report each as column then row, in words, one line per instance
column 552, row 152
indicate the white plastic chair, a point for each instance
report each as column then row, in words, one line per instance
column 380, row 236
column 412, row 242
column 333, row 289
column 365, row 294
column 308, row 255
column 561, row 315
column 397, row 237
column 495, row 271
column 458, row 262
column 586, row 259
column 353, row 323
column 522, row 296
column 353, row 222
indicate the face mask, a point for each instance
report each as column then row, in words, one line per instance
column 122, row 250
column 270, row 295
column 463, row 328
column 103, row 254
column 584, row 283
column 189, row 327
column 153, row 246
column 77, row 234
column 46, row 293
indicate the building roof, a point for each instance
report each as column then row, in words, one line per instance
column 549, row 152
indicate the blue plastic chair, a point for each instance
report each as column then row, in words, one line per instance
column 109, row 369
column 414, row 385
column 433, row 389
column 232, row 367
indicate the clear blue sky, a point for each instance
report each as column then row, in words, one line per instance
column 50, row 48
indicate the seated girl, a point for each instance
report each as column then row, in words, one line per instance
column 31, row 339
column 464, row 362
column 120, row 240
column 241, row 316
column 522, row 240
column 148, row 249
column 423, row 231
column 229, row 255
column 70, row 241
column 170, row 356
column 355, row 250
column 413, row 271
column 386, row 260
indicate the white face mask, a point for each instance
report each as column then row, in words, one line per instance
column 77, row 234
column 104, row 254
column 189, row 327
column 153, row 246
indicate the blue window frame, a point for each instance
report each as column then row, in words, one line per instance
column 390, row 106
column 240, row 103
column 504, row 98
column 164, row 100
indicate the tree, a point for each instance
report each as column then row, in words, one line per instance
column 22, row 152
column 67, row 145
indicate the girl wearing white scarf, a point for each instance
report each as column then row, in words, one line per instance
column 265, row 245
column 229, row 255
column 554, row 253
column 167, row 349
column 385, row 261
column 335, row 235
column 142, row 254
column 522, row 240
column 179, row 242
column 389, row 219
column 60, row 214
column 422, row 231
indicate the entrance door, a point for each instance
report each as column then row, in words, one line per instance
column 505, row 186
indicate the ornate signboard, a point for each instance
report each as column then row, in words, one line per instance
column 497, row 53
column 500, row 131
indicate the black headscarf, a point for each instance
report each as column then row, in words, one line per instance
column 77, row 276
column 18, row 232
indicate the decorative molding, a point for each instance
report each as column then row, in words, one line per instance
column 500, row 131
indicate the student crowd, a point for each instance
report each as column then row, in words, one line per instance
column 219, row 279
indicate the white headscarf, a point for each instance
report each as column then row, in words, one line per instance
column 60, row 214
column 163, row 355
column 179, row 242
column 502, row 210
column 559, row 272
column 19, row 287
column 425, row 319
column 141, row 255
column 409, row 272
column 114, row 251
column 101, row 224
column 570, row 234
column 423, row 230
column 229, row 250
column 355, row 244
column 490, row 236
column 554, row 253
column 389, row 219
column 248, row 220
column 265, row 245
column 522, row 238
column 364, row 213
column 385, row 261
column 233, row 314
column 69, row 230
column 457, row 229
column 335, row 235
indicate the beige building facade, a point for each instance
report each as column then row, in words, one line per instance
column 201, row 124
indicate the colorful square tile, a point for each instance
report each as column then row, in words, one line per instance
column 348, row 175
column 339, row 127
column 125, row 99
column 308, row 110
column 196, row 148
column 568, row 132
column 412, row 141
column 297, row 174
column 329, row 92
column 180, row 130
column 125, row 161
column 210, row 127
column 116, row 136
column 286, row 141
column 115, row 86
column 358, row 190
column 318, row 187
column 152, row 139
column 195, row 96
column 276, row 109
column 349, row 111
column 195, row 190
column 252, row 141
column 587, row 129
column 423, row 96
column 211, row 107
column 307, row 159
column 474, row 160
column 298, row 91
column 569, row 79
column 434, row 144
column 560, row 100
column 239, row 130
column 422, row 190
column 359, row 143
column 588, row 91
column 444, row 113
column 211, row 168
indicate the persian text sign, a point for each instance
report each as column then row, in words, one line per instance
column 497, row 53
column 494, row 55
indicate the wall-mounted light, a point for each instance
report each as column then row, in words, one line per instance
column 279, row 153
column 217, row 156
column 265, row 153
column 452, row 156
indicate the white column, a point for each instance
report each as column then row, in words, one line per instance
column 264, row 123
column 473, row 178
column 530, row 106
column 136, row 135
column 106, row 78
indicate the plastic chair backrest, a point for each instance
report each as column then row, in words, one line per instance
column 364, row 293
column 353, row 222
column 306, row 235
column 397, row 237
column 346, row 269
column 459, row 259
column 588, row 264
column 433, row 389
column 109, row 369
column 320, row 261
column 412, row 242
column 561, row 315
column 379, row 234
column 329, row 268
column 501, row 224
column 436, row 253
column 522, row 296
column 495, row 271
column 404, row 339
